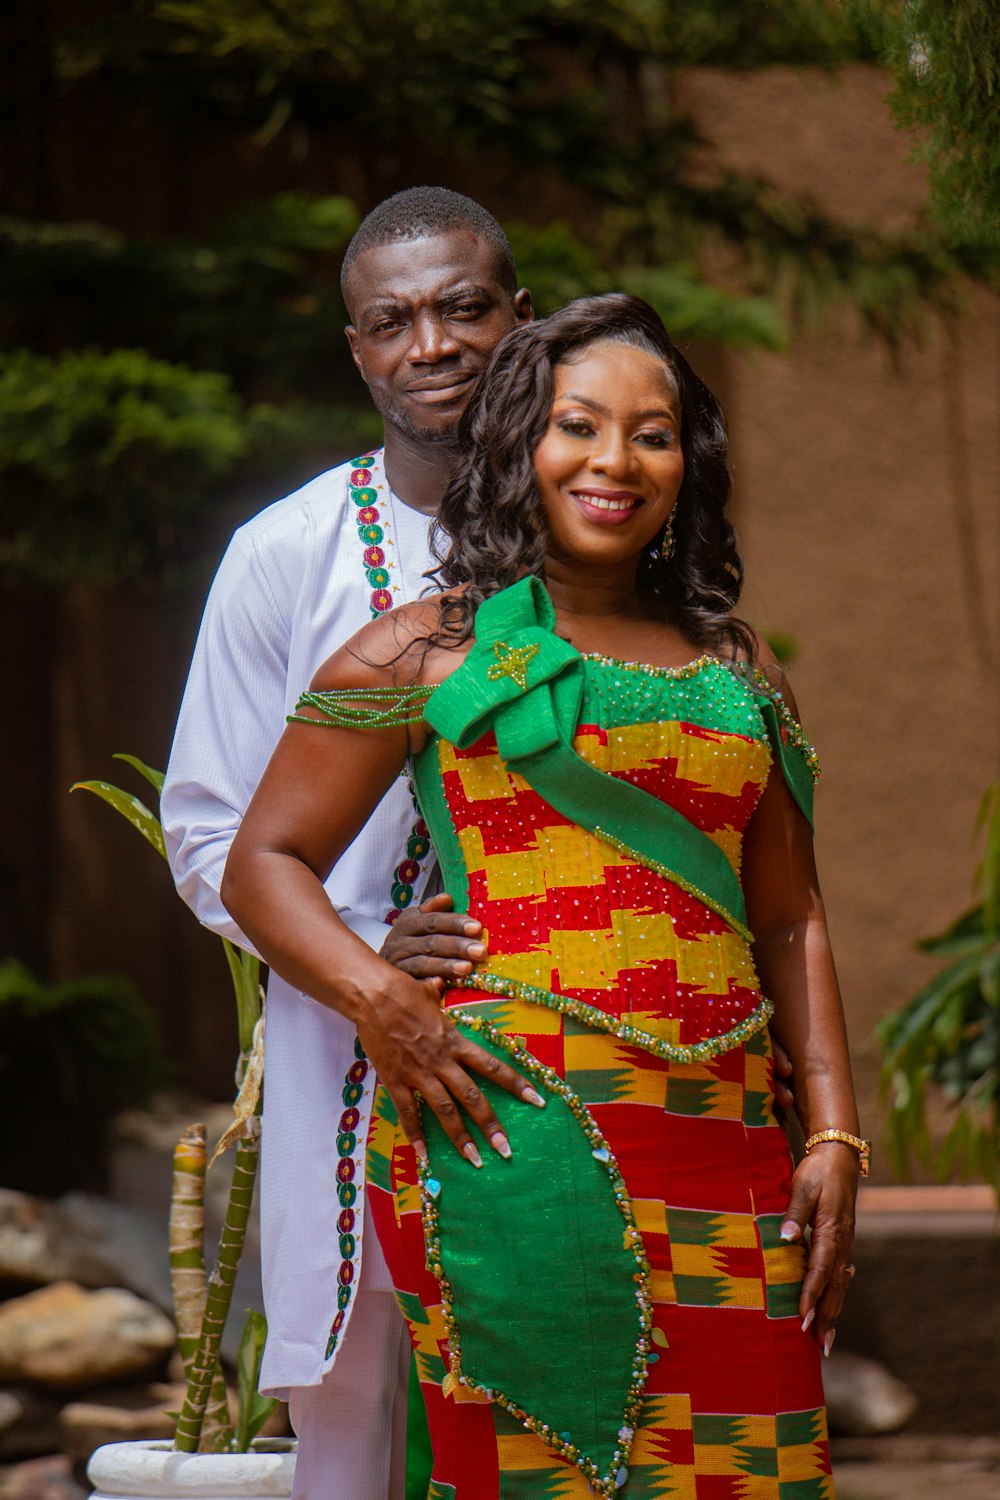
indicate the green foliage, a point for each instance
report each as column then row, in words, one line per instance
column 560, row 93
column 104, row 458
column 948, row 1037
column 946, row 63
column 292, row 221
column 110, row 463
column 254, row 1409
column 71, row 1056
column 256, row 300
column 784, row 646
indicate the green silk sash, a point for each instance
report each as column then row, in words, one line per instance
column 526, row 684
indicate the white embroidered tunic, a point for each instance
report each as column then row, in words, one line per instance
column 294, row 584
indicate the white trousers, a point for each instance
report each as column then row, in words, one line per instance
column 352, row 1428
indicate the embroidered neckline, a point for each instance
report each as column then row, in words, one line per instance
column 647, row 669
column 363, row 488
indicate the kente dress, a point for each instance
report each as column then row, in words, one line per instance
column 610, row 1312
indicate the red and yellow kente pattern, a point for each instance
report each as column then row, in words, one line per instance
column 733, row 1408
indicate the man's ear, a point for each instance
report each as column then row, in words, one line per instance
column 523, row 310
column 351, row 334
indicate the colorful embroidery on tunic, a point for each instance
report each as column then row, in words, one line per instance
column 370, row 530
column 347, row 1192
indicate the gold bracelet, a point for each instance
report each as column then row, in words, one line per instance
column 863, row 1148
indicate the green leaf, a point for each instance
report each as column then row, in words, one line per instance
column 244, row 971
column 155, row 778
column 957, row 938
column 131, row 809
column 254, row 1409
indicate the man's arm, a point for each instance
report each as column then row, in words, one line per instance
column 232, row 716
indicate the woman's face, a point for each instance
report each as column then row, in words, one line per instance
column 610, row 463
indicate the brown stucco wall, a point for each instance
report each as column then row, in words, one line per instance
column 868, row 504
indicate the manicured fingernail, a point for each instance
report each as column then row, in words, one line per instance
column 469, row 1151
column 531, row 1097
column 789, row 1231
column 807, row 1320
column 420, row 1149
column 831, row 1334
column 501, row 1144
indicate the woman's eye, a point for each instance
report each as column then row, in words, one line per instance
column 576, row 427
column 662, row 439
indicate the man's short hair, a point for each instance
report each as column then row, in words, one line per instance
column 418, row 212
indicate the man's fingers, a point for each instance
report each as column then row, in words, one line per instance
column 441, row 902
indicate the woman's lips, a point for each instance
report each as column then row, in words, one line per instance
column 607, row 508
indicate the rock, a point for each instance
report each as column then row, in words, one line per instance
column 41, row 1479
column 85, row 1239
column 29, row 1423
column 63, row 1337
column 863, row 1398
column 119, row 1416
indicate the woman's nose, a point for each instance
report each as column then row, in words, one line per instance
column 613, row 455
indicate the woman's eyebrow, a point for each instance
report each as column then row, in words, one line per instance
column 651, row 411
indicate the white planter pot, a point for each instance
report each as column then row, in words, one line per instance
column 153, row 1471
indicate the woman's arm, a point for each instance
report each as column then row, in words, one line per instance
column 795, row 963
column 320, row 787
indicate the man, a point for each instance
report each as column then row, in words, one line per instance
column 430, row 288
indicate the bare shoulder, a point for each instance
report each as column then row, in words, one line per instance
column 774, row 674
column 398, row 649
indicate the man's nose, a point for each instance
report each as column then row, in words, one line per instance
column 431, row 341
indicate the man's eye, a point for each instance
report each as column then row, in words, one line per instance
column 385, row 325
column 467, row 310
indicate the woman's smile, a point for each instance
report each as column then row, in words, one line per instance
column 606, row 507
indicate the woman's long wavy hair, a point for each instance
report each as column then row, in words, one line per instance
column 491, row 528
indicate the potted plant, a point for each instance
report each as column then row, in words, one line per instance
column 209, row 1457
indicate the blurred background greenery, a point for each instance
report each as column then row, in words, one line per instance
column 159, row 361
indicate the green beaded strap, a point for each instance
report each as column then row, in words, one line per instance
column 363, row 708
column 795, row 756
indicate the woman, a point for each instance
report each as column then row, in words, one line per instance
column 615, row 1298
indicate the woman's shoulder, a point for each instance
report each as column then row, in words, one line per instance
column 405, row 647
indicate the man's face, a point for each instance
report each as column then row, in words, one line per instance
column 426, row 316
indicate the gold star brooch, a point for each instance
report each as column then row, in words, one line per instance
column 511, row 661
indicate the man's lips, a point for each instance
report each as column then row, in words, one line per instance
column 609, row 507
column 441, row 387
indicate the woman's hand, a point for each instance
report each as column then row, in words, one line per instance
column 824, row 1192
column 415, row 1048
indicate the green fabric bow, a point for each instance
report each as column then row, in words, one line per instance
column 526, row 684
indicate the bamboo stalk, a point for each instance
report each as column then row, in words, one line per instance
column 220, row 1290
column 188, row 1282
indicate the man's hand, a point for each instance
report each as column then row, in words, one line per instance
column 431, row 941
column 783, row 1096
